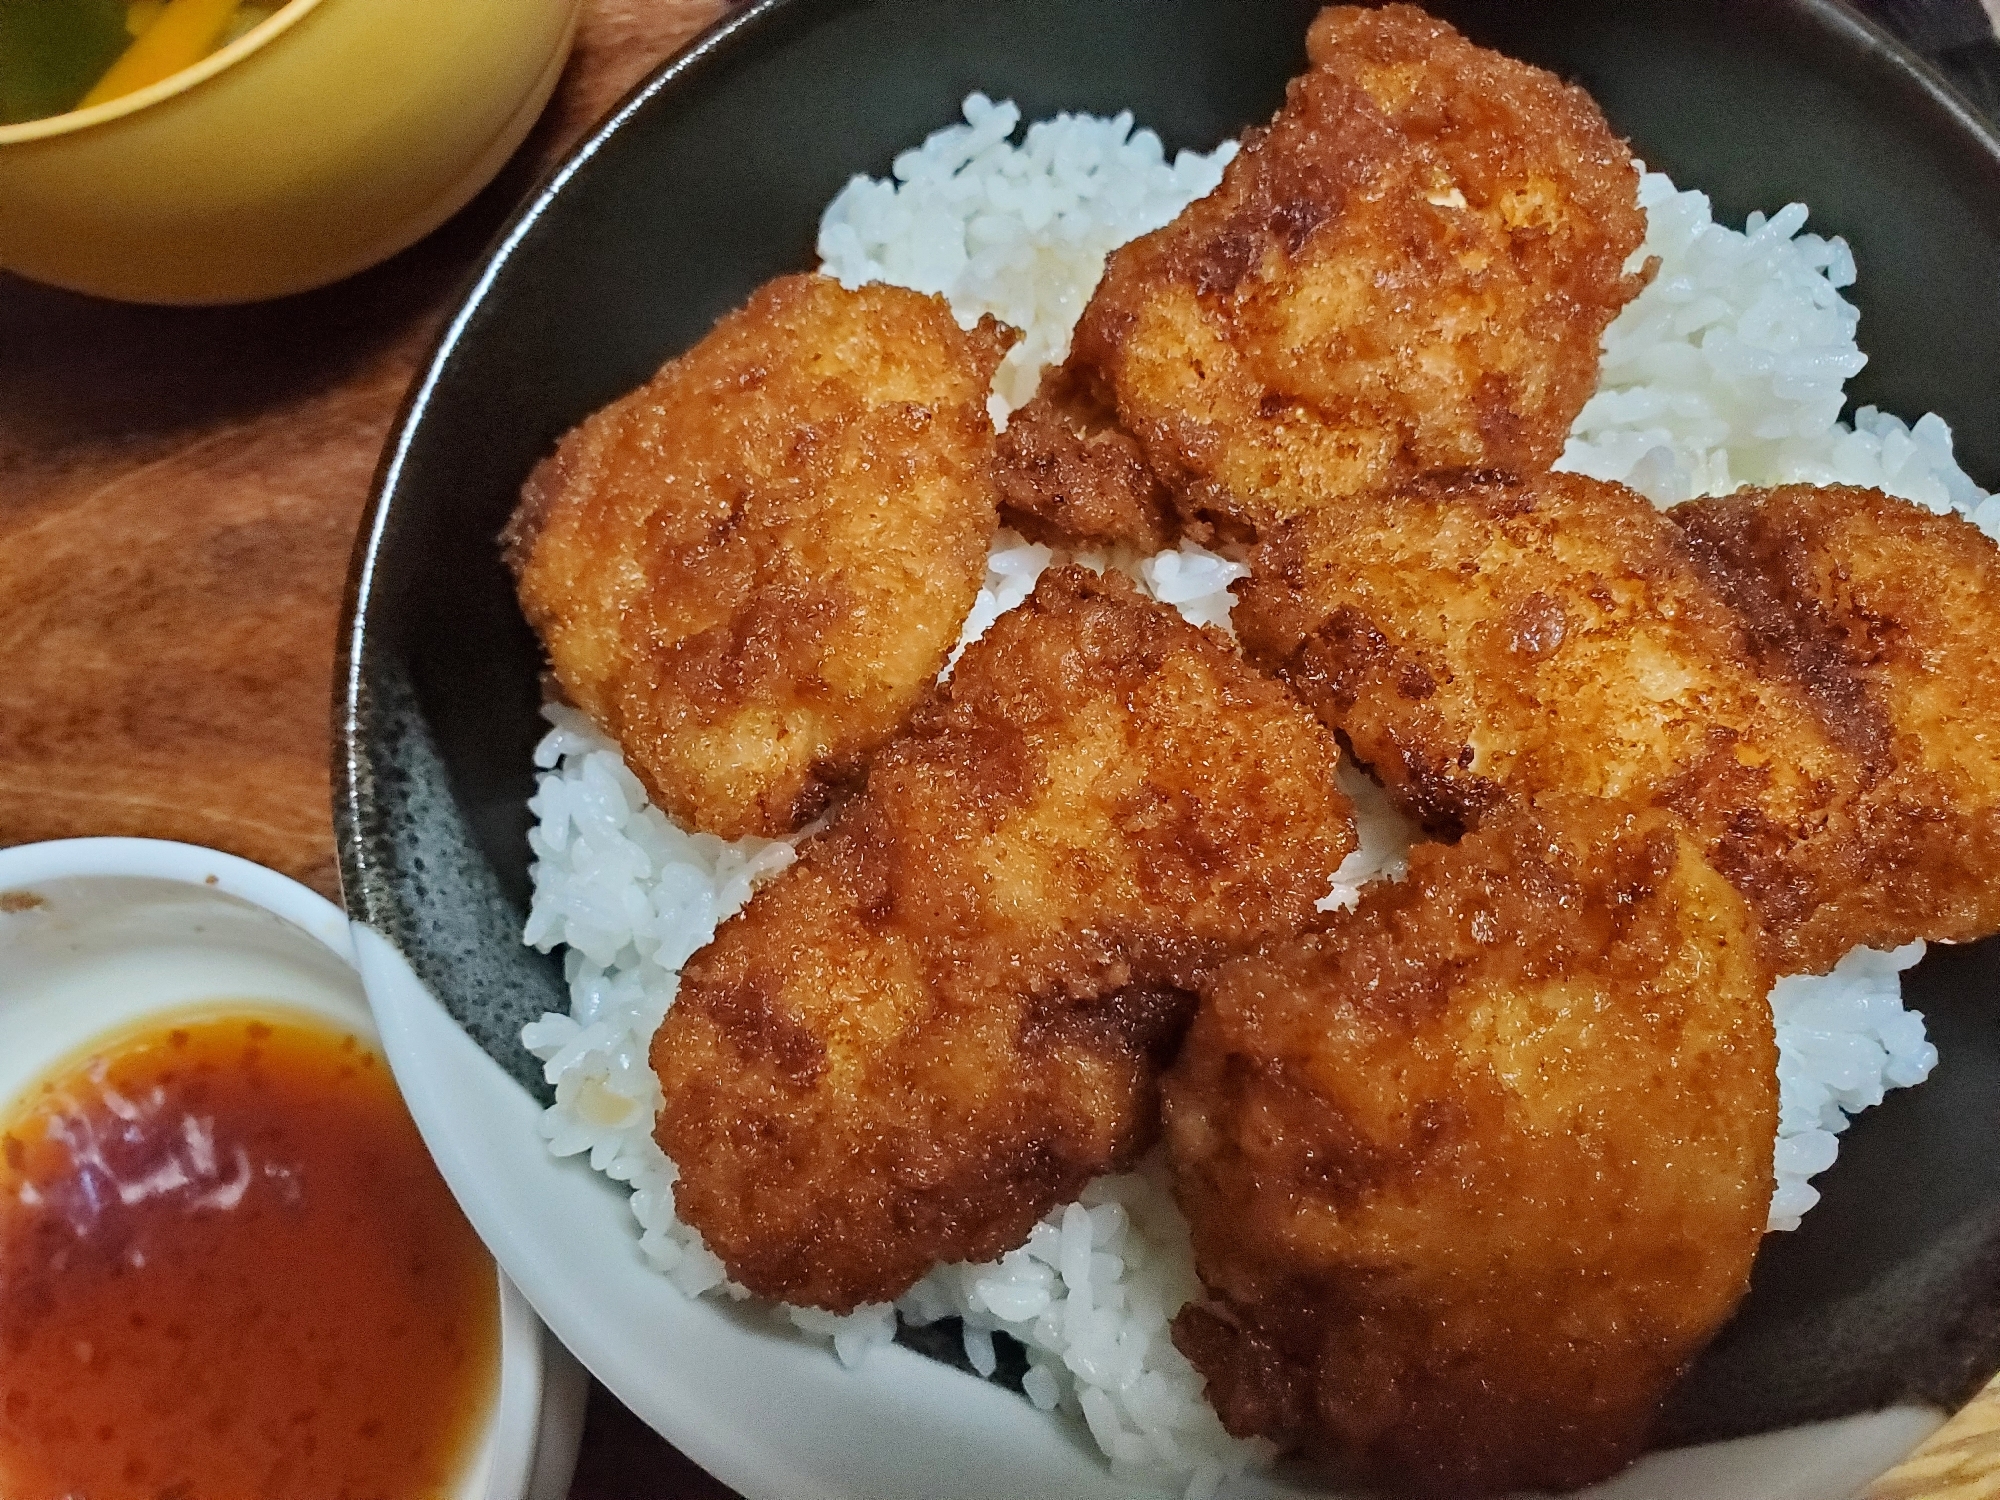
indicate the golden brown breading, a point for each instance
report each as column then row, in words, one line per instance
column 1480, row 639
column 749, row 570
column 1475, row 1171
column 1410, row 269
column 950, row 1013
column 1889, row 617
column 1071, row 477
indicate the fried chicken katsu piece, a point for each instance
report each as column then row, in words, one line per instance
column 1409, row 269
column 1889, row 616
column 1070, row 477
column 1481, row 639
column 1474, row 1172
column 951, row 1013
column 748, row 571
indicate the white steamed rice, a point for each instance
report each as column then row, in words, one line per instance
column 1728, row 369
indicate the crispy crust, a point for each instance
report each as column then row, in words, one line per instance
column 1889, row 617
column 1409, row 269
column 1480, row 639
column 748, row 571
column 950, row 1014
column 1473, row 1172
column 1810, row 676
column 1070, row 477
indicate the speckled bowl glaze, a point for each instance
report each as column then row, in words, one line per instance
column 710, row 179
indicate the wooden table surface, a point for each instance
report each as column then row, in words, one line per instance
column 179, row 491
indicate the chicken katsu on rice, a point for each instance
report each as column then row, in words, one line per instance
column 1408, row 269
column 951, row 1013
column 1812, row 710
column 1474, row 1169
column 1480, row 639
column 1466, row 1204
column 750, row 569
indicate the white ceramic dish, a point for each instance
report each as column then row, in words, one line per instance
column 98, row 933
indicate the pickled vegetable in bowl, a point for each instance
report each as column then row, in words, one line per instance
column 60, row 55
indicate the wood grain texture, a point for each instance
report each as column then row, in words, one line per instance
column 1961, row 1461
column 178, row 496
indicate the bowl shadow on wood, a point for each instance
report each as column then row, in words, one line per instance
column 710, row 179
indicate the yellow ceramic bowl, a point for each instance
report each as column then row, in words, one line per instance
column 325, row 140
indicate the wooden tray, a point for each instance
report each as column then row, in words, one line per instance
column 179, row 492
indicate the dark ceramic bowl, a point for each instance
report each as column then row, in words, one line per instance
column 711, row 178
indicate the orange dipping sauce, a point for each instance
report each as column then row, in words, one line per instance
column 230, row 1271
